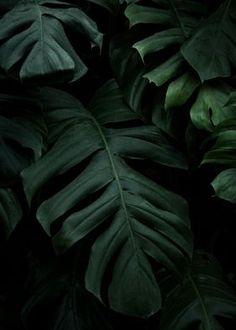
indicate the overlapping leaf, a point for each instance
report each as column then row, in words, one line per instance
column 140, row 219
column 225, row 185
column 202, row 298
column 211, row 50
column 213, row 105
column 170, row 108
column 21, row 135
column 128, row 70
column 180, row 90
column 222, row 152
column 181, row 17
column 10, row 211
column 34, row 41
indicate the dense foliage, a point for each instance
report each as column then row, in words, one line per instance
column 117, row 164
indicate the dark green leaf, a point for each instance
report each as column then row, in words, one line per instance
column 101, row 105
column 21, row 136
column 212, row 105
column 173, row 13
column 141, row 218
column 223, row 151
column 196, row 303
column 33, row 38
column 166, row 71
column 211, row 50
column 180, row 90
column 178, row 19
column 10, row 211
column 140, row 14
column 128, row 69
column 158, row 41
column 225, row 185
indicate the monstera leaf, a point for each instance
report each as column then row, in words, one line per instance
column 211, row 50
column 141, row 220
column 34, row 41
column 21, row 135
column 202, row 298
column 177, row 19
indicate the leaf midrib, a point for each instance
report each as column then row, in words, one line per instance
column 201, row 301
column 116, row 176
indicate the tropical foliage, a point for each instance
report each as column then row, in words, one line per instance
column 117, row 164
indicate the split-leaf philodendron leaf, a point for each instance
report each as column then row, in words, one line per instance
column 142, row 221
column 211, row 50
column 201, row 298
column 34, row 41
column 177, row 20
column 117, row 148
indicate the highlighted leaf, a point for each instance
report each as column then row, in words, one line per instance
column 140, row 219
